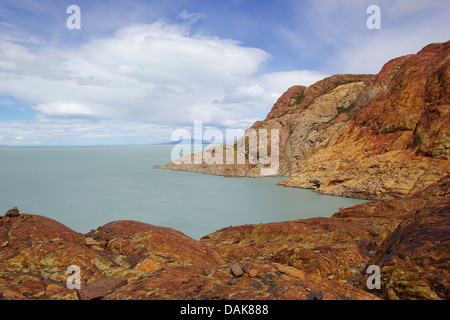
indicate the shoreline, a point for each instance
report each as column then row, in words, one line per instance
column 124, row 259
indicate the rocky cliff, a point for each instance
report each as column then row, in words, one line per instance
column 362, row 136
column 384, row 137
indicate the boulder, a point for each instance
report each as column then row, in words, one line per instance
column 12, row 212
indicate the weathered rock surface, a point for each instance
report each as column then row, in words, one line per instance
column 271, row 281
column 34, row 262
column 415, row 258
column 335, row 248
column 318, row 258
column 43, row 247
column 146, row 247
column 407, row 238
column 361, row 136
column 12, row 212
column 140, row 261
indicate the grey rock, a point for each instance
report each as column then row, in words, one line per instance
column 236, row 270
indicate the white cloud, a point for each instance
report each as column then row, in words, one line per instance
column 16, row 60
column 190, row 17
column 280, row 81
column 47, row 131
column 149, row 72
column 67, row 109
column 260, row 93
column 243, row 93
column 156, row 73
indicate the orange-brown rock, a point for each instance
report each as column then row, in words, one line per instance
column 335, row 248
column 417, row 100
column 38, row 251
column 145, row 247
column 396, row 145
column 43, row 247
column 19, row 286
column 414, row 259
column 270, row 281
column 141, row 261
column 362, row 136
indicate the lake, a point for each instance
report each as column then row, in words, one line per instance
column 86, row 187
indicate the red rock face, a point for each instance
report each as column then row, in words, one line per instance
column 416, row 99
column 396, row 145
column 362, row 136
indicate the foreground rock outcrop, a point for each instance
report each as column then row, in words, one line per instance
column 318, row 258
column 414, row 259
column 132, row 260
column 407, row 238
column 41, row 249
column 372, row 137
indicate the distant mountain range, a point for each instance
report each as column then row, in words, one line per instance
column 191, row 141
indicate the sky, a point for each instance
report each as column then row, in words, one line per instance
column 137, row 70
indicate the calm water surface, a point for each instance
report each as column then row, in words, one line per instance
column 86, row 187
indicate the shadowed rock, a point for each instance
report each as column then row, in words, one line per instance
column 12, row 212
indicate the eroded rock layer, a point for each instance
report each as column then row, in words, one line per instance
column 361, row 136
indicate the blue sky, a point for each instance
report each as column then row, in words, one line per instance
column 137, row 70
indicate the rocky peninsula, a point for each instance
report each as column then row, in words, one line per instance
column 383, row 137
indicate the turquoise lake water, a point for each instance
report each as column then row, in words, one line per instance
column 86, row 187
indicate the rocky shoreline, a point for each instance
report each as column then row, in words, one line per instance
column 385, row 138
column 317, row 258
